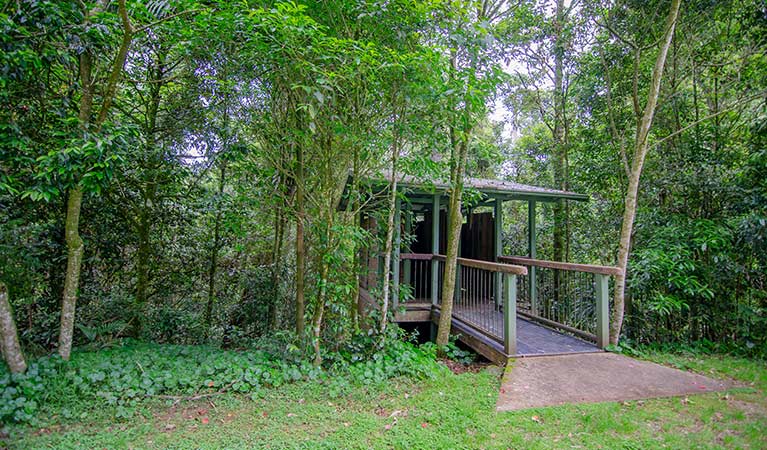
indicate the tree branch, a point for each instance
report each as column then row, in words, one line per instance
column 118, row 64
column 730, row 108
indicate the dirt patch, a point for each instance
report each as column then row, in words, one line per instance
column 750, row 409
column 194, row 413
column 595, row 377
column 459, row 368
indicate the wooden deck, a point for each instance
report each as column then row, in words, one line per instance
column 481, row 328
column 532, row 338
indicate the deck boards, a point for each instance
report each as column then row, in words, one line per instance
column 534, row 339
column 485, row 324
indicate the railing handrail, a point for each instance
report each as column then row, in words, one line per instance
column 416, row 256
column 488, row 265
column 478, row 264
column 589, row 268
column 493, row 266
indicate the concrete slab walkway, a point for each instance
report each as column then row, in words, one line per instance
column 594, row 377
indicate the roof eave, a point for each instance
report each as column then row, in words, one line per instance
column 509, row 194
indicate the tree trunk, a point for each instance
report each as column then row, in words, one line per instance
column 640, row 152
column 213, row 268
column 74, row 243
column 279, row 222
column 156, row 81
column 75, row 249
column 142, row 271
column 560, row 144
column 9, row 338
column 454, row 223
column 560, row 147
column 389, row 242
column 319, row 313
column 300, row 250
column 354, row 205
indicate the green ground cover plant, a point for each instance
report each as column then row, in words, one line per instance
column 446, row 410
column 118, row 380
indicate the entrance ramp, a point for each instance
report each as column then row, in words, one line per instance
column 593, row 378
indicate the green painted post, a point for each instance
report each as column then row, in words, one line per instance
column 603, row 310
column 395, row 257
column 510, row 316
column 408, row 263
column 532, row 285
column 498, row 250
column 435, row 249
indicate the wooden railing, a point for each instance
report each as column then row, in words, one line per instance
column 485, row 294
column 572, row 297
column 417, row 277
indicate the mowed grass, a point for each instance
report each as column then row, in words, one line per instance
column 450, row 411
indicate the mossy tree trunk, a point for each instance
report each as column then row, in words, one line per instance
column 9, row 338
column 74, row 242
column 454, row 224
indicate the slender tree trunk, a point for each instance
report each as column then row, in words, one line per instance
column 75, row 249
column 279, row 222
column 144, row 225
column 560, row 147
column 72, row 222
column 389, row 242
column 300, row 249
column 560, row 144
column 454, row 224
column 640, row 152
column 9, row 338
column 213, row 267
column 142, row 271
column 355, row 207
column 319, row 313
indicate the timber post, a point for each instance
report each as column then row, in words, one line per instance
column 532, row 287
column 498, row 222
column 408, row 265
column 396, row 254
column 603, row 309
column 510, row 315
column 435, row 249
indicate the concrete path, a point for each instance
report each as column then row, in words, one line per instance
column 594, row 377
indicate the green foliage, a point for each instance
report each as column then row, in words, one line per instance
column 688, row 278
column 123, row 377
column 445, row 412
column 451, row 351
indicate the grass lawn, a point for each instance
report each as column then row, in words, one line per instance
column 450, row 411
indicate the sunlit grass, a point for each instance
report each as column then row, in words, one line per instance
column 450, row 411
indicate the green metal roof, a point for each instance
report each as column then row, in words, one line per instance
column 506, row 190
